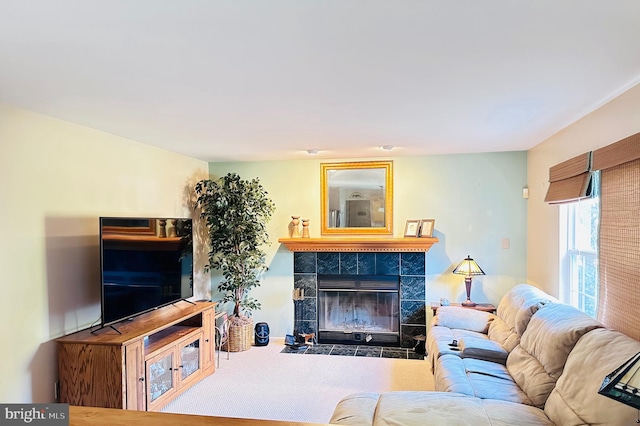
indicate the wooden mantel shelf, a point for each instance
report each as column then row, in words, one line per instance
column 359, row 244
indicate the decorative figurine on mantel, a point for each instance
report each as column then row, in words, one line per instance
column 162, row 228
column 305, row 228
column 294, row 230
column 172, row 230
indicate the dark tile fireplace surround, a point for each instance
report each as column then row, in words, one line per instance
column 408, row 267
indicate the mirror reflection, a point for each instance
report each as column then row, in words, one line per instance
column 357, row 198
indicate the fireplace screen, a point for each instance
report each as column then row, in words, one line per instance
column 346, row 311
column 358, row 309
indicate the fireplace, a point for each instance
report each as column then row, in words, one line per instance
column 359, row 309
column 401, row 287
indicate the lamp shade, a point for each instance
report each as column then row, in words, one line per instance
column 623, row 384
column 468, row 267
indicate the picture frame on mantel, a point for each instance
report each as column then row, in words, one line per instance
column 426, row 228
column 412, row 228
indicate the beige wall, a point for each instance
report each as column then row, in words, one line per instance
column 56, row 179
column 614, row 121
column 475, row 199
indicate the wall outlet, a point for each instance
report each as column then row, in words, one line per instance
column 56, row 391
column 506, row 243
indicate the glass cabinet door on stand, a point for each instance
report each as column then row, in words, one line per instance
column 168, row 371
column 161, row 380
column 190, row 358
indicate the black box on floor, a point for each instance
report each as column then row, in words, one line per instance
column 261, row 334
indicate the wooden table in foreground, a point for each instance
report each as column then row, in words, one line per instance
column 485, row 307
column 91, row 416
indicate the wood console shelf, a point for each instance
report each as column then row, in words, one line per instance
column 157, row 356
column 359, row 244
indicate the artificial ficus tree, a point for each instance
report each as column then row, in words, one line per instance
column 236, row 212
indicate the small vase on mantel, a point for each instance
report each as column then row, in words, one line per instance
column 294, row 230
column 305, row 228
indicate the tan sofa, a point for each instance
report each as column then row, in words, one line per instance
column 482, row 335
column 556, row 359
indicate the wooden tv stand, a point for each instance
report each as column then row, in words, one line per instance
column 157, row 356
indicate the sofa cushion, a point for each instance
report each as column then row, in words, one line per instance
column 575, row 399
column 500, row 332
column 538, row 361
column 515, row 309
column 435, row 409
column 503, row 413
column 463, row 318
column 451, row 376
column 518, row 305
column 479, row 378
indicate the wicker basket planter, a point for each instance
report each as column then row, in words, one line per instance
column 240, row 337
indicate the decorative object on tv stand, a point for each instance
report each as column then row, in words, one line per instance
column 171, row 233
column 162, row 228
column 305, row 228
column 236, row 213
column 294, row 229
column 623, row 384
column 468, row 267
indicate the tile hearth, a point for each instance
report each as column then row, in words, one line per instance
column 353, row 350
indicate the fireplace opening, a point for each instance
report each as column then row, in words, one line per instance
column 359, row 309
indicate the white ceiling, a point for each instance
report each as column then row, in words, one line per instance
column 266, row 80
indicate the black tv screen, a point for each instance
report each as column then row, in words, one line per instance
column 145, row 263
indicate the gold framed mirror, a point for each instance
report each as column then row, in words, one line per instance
column 357, row 198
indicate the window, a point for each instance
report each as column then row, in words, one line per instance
column 579, row 251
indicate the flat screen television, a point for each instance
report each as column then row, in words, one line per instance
column 145, row 263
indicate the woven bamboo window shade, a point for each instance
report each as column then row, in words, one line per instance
column 570, row 180
column 619, row 246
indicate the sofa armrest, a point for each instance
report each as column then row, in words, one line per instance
column 484, row 349
column 356, row 409
column 463, row 318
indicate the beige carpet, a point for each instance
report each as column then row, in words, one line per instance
column 263, row 383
